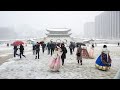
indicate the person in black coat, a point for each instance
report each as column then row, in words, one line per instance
column 15, row 51
column 22, row 50
column 48, row 47
column 64, row 51
column 43, row 47
column 71, row 48
column 34, row 46
column 118, row 43
column 52, row 47
column 37, row 50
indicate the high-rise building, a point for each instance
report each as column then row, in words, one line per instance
column 107, row 25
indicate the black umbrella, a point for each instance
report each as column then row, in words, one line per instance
column 86, row 42
column 79, row 43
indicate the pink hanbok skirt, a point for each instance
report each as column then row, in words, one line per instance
column 91, row 54
column 55, row 64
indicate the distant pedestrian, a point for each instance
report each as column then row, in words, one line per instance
column 48, row 48
column 118, row 44
column 34, row 47
column 22, row 51
column 71, row 48
column 52, row 47
column 7, row 44
column 37, row 50
column 43, row 47
column 78, row 54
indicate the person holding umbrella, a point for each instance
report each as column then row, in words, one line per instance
column 15, row 44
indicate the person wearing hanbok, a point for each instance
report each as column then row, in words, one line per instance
column 56, row 60
column 91, row 52
column 85, row 52
column 103, row 62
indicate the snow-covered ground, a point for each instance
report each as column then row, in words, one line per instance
column 31, row 68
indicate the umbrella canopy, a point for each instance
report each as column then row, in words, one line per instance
column 41, row 42
column 86, row 42
column 79, row 43
column 16, row 43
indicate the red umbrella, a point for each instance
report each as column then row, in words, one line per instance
column 18, row 43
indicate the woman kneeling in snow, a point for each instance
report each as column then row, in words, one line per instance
column 55, row 64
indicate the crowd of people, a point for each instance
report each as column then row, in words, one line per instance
column 58, row 52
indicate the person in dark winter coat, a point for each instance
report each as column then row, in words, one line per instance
column 43, row 47
column 79, row 55
column 48, row 47
column 7, row 44
column 37, row 50
column 64, row 51
column 71, row 48
column 52, row 47
column 15, row 51
column 34, row 46
column 118, row 43
column 22, row 50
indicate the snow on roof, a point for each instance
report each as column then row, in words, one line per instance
column 58, row 29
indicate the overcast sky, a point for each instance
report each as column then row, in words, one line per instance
column 48, row 19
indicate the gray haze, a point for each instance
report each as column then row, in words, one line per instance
column 34, row 23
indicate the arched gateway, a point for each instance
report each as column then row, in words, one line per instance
column 59, row 35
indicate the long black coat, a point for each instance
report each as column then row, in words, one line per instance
column 37, row 47
column 48, row 46
column 64, row 51
column 43, row 45
column 21, row 48
column 52, row 46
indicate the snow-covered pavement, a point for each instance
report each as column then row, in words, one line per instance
column 31, row 68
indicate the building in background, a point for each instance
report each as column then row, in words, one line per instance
column 59, row 35
column 107, row 25
column 89, row 30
